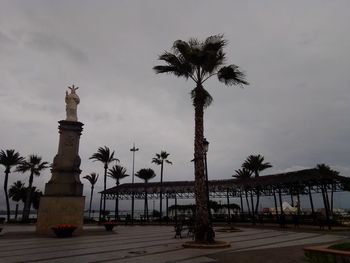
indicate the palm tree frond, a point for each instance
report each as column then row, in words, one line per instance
column 202, row 96
column 231, row 75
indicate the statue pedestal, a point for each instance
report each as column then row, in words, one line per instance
column 55, row 210
column 63, row 202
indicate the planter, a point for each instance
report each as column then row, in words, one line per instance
column 62, row 232
column 109, row 227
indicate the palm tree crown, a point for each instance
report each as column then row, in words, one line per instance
column 17, row 191
column 199, row 61
column 146, row 174
column 33, row 164
column 104, row 156
column 161, row 158
column 9, row 158
column 117, row 172
column 92, row 178
column 255, row 163
column 242, row 173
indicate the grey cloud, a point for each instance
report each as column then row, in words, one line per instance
column 51, row 44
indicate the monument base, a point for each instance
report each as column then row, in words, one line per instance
column 55, row 210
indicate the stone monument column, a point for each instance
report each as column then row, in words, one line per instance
column 63, row 202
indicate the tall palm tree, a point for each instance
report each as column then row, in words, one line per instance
column 17, row 192
column 255, row 164
column 92, row 178
column 34, row 165
column 9, row 158
column 159, row 160
column 104, row 156
column 244, row 174
column 199, row 61
column 146, row 175
column 117, row 172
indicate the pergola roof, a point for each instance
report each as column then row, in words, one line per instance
column 233, row 187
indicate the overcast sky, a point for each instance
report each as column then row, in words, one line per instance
column 295, row 111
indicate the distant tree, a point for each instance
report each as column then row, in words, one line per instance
column 199, row 61
column 9, row 158
column 104, row 156
column 17, row 192
column 117, row 172
column 329, row 174
column 34, row 165
column 244, row 174
column 255, row 163
column 159, row 160
column 146, row 175
column 92, row 178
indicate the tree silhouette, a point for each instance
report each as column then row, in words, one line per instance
column 199, row 61
column 17, row 192
column 159, row 160
column 92, row 178
column 9, row 158
column 255, row 163
column 104, row 156
column 146, row 175
column 244, row 174
column 34, row 165
column 117, row 172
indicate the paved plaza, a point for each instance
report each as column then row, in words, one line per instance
column 129, row 244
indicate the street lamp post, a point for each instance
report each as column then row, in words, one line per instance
column 133, row 149
column 206, row 148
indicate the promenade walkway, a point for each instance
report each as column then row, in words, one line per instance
column 133, row 244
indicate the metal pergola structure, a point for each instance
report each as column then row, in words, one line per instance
column 302, row 182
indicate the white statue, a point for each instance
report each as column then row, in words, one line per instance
column 72, row 101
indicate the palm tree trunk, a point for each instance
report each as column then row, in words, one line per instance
column 116, row 214
column 203, row 232
column 92, row 192
column 161, row 193
column 145, row 212
column 253, row 210
column 246, row 198
column 312, row 205
column 27, row 203
column 104, row 189
column 257, row 201
column 6, row 195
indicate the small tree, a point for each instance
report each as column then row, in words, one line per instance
column 104, row 156
column 159, row 160
column 146, row 175
column 255, row 164
column 117, row 172
column 9, row 158
column 92, row 178
column 34, row 165
column 244, row 174
column 17, row 192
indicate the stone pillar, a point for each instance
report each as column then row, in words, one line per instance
column 63, row 202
